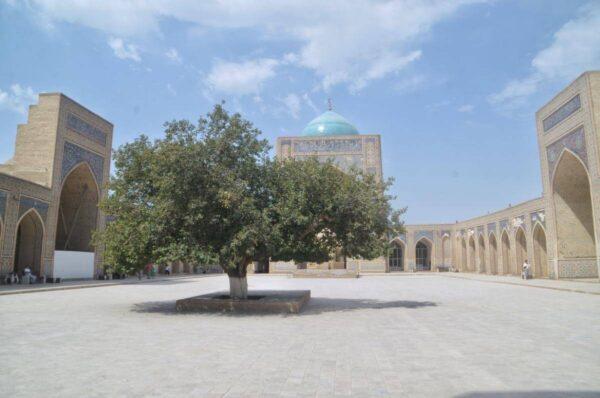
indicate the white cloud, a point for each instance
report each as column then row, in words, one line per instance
column 410, row 84
column 17, row 98
column 383, row 66
column 173, row 55
column 293, row 105
column 575, row 48
column 171, row 90
column 240, row 78
column 350, row 44
column 310, row 103
column 467, row 108
column 123, row 50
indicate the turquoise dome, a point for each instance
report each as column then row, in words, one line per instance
column 329, row 123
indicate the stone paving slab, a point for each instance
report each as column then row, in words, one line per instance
column 83, row 284
column 418, row 336
column 588, row 286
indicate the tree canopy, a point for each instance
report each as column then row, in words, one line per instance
column 210, row 192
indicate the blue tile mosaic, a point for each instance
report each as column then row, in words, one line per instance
column 87, row 130
column 26, row 203
column 328, row 145
column 74, row 154
column 538, row 216
column 562, row 113
column 574, row 141
column 423, row 234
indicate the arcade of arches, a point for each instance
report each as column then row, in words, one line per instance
column 556, row 233
column 50, row 189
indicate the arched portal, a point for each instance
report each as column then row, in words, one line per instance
column 396, row 258
column 78, row 211
column 30, row 240
column 540, row 259
column 463, row 256
column 573, row 210
column 493, row 254
column 506, row 260
column 423, row 255
column 521, row 246
column 482, row 264
column 472, row 254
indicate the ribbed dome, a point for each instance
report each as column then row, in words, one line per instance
column 329, row 123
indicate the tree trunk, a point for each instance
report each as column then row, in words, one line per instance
column 345, row 262
column 238, row 284
column 238, row 287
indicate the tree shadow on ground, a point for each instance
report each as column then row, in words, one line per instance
column 157, row 307
column 315, row 306
column 530, row 394
column 319, row 305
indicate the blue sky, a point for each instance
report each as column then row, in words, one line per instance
column 451, row 86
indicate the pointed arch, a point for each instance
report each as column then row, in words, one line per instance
column 463, row 255
column 472, row 254
column 521, row 250
column 568, row 152
column 571, row 195
column 446, row 251
column 77, row 166
column 78, row 209
column 396, row 255
column 493, row 249
column 506, row 259
column 1, row 234
column 540, row 254
column 482, row 249
column 28, row 249
column 423, row 254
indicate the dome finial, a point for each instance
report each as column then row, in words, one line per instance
column 329, row 104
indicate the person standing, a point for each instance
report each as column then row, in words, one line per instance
column 525, row 273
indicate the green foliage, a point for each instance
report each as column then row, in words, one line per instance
column 210, row 192
column 319, row 209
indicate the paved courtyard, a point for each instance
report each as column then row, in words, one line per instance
column 380, row 336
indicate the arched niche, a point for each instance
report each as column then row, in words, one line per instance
column 446, row 253
column 29, row 243
column 78, row 210
column 396, row 256
column 521, row 250
column 540, row 254
column 506, row 259
column 573, row 209
column 423, row 254
column 463, row 255
column 493, row 245
column 482, row 263
column 472, row 254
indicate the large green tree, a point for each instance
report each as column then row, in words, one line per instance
column 210, row 191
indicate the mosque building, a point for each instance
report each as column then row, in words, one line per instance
column 556, row 232
column 50, row 190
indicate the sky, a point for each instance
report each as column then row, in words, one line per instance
column 452, row 87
